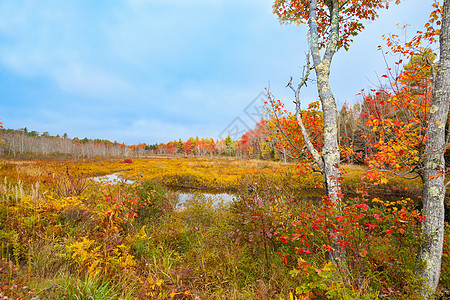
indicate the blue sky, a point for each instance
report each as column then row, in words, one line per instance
column 158, row 70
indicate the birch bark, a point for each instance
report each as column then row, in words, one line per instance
column 428, row 265
column 329, row 160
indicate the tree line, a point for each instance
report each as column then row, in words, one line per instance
column 22, row 141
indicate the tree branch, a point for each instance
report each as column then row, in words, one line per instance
column 314, row 36
column 334, row 30
column 298, row 114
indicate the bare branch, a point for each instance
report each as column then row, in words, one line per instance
column 448, row 182
column 298, row 114
column 402, row 175
column 283, row 133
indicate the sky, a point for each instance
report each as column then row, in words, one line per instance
column 151, row 71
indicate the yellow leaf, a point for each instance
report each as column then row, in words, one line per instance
column 159, row 282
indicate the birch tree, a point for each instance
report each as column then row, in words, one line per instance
column 332, row 25
column 410, row 133
column 430, row 253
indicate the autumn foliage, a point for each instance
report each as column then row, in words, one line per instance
column 352, row 15
column 397, row 115
column 286, row 132
column 66, row 234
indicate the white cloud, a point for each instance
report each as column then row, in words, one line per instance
column 50, row 40
column 92, row 82
column 180, row 67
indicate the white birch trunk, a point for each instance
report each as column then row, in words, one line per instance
column 329, row 160
column 428, row 267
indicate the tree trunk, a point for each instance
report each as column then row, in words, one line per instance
column 428, row 264
column 330, row 152
column 329, row 159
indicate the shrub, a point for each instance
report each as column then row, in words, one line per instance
column 154, row 201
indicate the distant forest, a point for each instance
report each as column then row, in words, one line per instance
column 269, row 140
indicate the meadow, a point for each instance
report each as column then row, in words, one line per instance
column 66, row 236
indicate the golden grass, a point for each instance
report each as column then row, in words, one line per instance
column 56, row 226
column 195, row 172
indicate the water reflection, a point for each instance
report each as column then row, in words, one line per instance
column 112, row 179
column 190, row 196
column 215, row 197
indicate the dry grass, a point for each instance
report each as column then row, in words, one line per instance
column 56, row 226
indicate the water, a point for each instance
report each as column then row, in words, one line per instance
column 111, row 179
column 185, row 195
column 216, row 198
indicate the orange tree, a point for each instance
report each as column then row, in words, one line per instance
column 397, row 116
column 285, row 131
column 397, row 121
column 413, row 137
column 250, row 143
column 332, row 25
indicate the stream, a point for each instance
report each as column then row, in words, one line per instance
column 183, row 195
column 216, row 198
column 112, row 179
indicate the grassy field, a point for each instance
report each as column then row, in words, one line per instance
column 65, row 236
column 220, row 174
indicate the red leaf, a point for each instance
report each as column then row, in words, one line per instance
column 371, row 226
column 363, row 253
column 283, row 258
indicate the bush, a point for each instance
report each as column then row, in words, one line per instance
column 154, row 201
